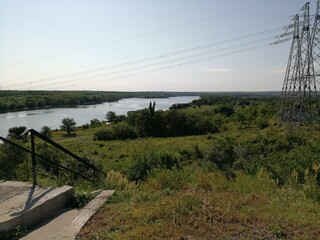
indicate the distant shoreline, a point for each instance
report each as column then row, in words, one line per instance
column 14, row 101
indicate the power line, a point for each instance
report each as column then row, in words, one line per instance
column 171, row 61
column 174, row 65
column 158, row 57
column 177, row 45
column 167, row 61
column 139, row 35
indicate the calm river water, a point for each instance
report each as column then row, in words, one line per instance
column 83, row 114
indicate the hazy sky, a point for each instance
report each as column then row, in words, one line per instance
column 153, row 45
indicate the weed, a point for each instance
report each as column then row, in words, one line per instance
column 17, row 233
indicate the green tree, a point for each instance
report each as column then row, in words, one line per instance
column 225, row 109
column 95, row 123
column 152, row 107
column 46, row 131
column 68, row 125
column 15, row 133
column 111, row 117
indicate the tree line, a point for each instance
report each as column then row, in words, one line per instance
column 189, row 119
column 19, row 100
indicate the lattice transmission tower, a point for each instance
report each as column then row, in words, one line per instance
column 300, row 97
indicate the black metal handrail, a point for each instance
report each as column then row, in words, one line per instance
column 34, row 155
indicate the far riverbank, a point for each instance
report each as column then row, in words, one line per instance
column 82, row 114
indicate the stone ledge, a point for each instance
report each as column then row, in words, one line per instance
column 33, row 205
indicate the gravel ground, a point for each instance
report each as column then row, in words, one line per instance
column 8, row 192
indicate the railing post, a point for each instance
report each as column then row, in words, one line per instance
column 57, row 173
column 34, row 167
column 27, row 170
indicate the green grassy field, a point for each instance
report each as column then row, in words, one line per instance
column 196, row 200
column 244, row 177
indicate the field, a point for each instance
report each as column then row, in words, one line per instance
column 220, row 168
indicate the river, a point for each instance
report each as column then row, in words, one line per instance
column 52, row 117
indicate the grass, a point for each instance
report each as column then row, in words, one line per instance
column 204, row 205
column 117, row 155
column 248, row 179
column 273, row 195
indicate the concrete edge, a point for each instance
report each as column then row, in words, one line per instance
column 14, row 184
column 48, row 207
column 71, row 231
column 96, row 193
column 39, row 212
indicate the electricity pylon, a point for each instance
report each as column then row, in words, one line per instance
column 299, row 91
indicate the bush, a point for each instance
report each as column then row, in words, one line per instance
column 46, row 131
column 123, row 131
column 145, row 163
column 81, row 199
column 104, row 135
column 225, row 109
column 15, row 133
column 17, row 233
column 262, row 123
column 116, row 180
column 95, row 123
column 223, row 154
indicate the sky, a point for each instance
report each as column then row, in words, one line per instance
column 144, row 45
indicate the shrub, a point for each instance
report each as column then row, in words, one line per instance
column 223, row 155
column 124, row 131
column 104, row 135
column 225, row 109
column 262, row 123
column 15, row 234
column 116, row 180
column 46, row 131
column 81, row 199
column 95, row 123
column 145, row 163
column 15, row 132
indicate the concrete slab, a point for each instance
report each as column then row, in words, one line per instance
column 8, row 189
column 51, row 227
column 67, row 225
column 31, row 206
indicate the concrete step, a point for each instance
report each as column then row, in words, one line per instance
column 49, row 229
column 67, row 223
column 30, row 204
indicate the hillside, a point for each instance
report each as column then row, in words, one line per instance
column 220, row 168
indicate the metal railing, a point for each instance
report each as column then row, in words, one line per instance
column 67, row 162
